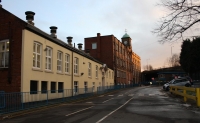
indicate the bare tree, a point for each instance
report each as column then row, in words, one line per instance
column 174, row 60
column 147, row 67
column 183, row 14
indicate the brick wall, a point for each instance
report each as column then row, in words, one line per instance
column 11, row 28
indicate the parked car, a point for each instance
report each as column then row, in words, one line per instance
column 177, row 82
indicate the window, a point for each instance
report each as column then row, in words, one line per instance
column 89, row 69
column 109, row 75
column 85, row 86
column 118, row 73
column 116, row 47
column 33, row 87
column 75, row 86
column 4, row 53
column 75, row 65
column 37, row 55
column 48, row 58
column 60, row 87
column 93, row 86
column 96, row 71
column 59, row 61
column 53, row 87
column 99, row 83
column 44, row 87
column 94, row 45
column 67, row 63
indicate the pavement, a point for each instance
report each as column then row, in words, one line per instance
column 135, row 105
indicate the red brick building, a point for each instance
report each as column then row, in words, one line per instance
column 118, row 55
column 10, row 51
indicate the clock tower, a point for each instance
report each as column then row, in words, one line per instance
column 126, row 40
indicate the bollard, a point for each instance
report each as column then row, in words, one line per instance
column 198, row 96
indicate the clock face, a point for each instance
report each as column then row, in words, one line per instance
column 125, row 42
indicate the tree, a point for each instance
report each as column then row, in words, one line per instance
column 173, row 61
column 185, row 58
column 190, row 55
column 183, row 14
column 147, row 67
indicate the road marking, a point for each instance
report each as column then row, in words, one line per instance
column 110, row 95
column 120, row 95
column 89, row 102
column 130, row 95
column 101, row 96
column 114, row 111
column 140, row 94
column 151, row 94
column 107, row 100
column 79, row 111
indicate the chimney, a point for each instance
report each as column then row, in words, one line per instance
column 80, row 46
column 0, row 4
column 53, row 31
column 69, row 40
column 30, row 17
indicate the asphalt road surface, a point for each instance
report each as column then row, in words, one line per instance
column 134, row 105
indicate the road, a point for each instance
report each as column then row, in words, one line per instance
column 136, row 105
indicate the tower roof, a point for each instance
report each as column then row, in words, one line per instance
column 126, row 36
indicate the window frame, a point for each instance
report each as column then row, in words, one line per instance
column 5, row 51
column 96, row 71
column 37, row 54
column 89, row 69
column 67, row 63
column 76, row 65
column 94, row 45
column 48, row 57
column 59, row 60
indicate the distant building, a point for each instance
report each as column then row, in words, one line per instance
column 34, row 61
column 118, row 55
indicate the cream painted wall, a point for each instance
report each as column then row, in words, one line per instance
column 30, row 73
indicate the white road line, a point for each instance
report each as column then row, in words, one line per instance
column 107, row 100
column 120, row 95
column 79, row 111
column 151, row 94
column 110, row 95
column 101, row 96
column 114, row 111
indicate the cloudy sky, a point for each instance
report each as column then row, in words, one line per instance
column 86, row 18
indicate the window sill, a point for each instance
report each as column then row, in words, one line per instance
column 68, row 74
column 48, row 71
column 60, row 73
column 90, row 77
column 37, row 69
column 76, row 75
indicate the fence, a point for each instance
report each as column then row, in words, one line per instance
column 13, row 102
column 187, row 93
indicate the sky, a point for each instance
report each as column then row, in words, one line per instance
column 85, row 18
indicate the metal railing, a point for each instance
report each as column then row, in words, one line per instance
column 187, row 93
column 13, row 102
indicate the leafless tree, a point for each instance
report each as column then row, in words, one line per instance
column 174, row 60
column 183, row 14
column 147, row 67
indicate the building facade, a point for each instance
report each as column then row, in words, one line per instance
column 118, row 55
column 34, row 61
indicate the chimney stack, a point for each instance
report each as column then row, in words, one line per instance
column 30, row 17
column 69, row 40
column 80, row 46
column 53, row 31
column 0, row 4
